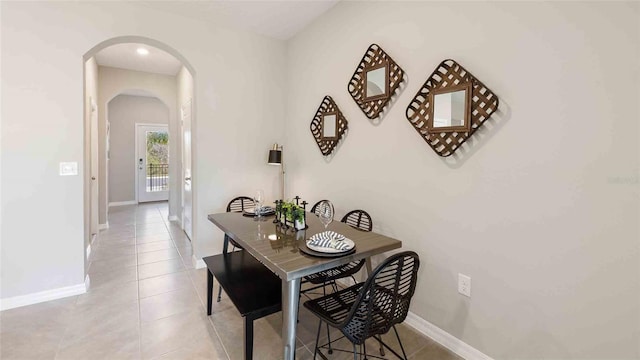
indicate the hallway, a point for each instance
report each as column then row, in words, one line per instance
column 146, row 300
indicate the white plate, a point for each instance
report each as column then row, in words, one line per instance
column 323, row 249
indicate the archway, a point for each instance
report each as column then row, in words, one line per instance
column 96, row 204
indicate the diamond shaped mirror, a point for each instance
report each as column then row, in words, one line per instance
column 328, row 126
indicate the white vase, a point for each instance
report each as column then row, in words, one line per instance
column 300, row 225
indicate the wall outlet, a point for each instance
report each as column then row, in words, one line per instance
column 464, row 285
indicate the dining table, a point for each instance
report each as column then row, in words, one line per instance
column 280, row 249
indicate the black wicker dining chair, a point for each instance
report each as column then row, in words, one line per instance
column 359, row 219
column 314, row 208
column 238, row 204
column 372, row 308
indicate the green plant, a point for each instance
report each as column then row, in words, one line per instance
column 292, row 211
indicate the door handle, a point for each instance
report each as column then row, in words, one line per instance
column 187, row 179
column 93, row 178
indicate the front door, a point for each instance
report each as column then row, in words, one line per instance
column 152, row 162
column 187, row 195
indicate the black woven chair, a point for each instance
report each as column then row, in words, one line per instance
column 238, row 204
column 372, row 308
column 359, row 219
column 314, row 208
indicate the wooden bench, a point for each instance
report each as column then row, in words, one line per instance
column 252, row 288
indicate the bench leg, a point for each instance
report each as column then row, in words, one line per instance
column 209, row 291
column 248, row 338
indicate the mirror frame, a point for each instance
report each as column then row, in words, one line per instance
column 467, row 109
column 328, row 145
column 366, row 70
column 483, row 104
column 374, row 107
column 322, row 126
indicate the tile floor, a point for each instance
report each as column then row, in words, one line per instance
column 146, row 301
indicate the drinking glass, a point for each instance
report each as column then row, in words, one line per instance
column 258, row 198
column 325, row 213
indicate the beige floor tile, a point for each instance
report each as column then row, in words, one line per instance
column 172, row 333
column 89, row 321
column 411, row 340
column 207, row 348
column 110, row 264
column 152, row 238
column 155, row 256
column 159, row 229
column 109, row 295
column 160, row 268
column 171, row 303
column 122, row 343
column 165, row 283
column 116, row 276
column 102, row 242
column 111, row 252
column 155, row 246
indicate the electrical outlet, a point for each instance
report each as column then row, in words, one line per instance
column 464, row 285
column 68, row 168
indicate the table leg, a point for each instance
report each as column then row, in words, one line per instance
column 290, row 302
column 209, row 291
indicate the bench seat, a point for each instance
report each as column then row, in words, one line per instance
column 252, row 288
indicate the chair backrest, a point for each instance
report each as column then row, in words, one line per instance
column 240, row 203
column 384, row 298
column 314, row 208
column 359, row 219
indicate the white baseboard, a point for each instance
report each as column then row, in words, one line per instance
column 198, row 263
column 122, row 203
column 87, row 282
column 103, row 226
column 173, row 218
column 42, row 296
column 445, row 339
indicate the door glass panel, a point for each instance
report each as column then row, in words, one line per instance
column 157, row 161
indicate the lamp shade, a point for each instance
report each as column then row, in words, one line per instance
column 275, row 157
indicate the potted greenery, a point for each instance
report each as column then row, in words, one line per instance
column 292, row 215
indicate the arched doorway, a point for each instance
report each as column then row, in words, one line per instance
column 96, row 201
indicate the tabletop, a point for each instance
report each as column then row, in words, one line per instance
column 278, row 249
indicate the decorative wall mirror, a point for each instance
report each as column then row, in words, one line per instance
column 451, row 105
column 376, row 85
column 451, row 110
column 374, row 82
column 328, row 126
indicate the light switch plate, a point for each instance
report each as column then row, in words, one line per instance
column 464, row 285
column 68, row 168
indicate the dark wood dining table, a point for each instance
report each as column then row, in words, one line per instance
column 279, row 250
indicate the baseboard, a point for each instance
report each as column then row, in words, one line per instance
column 87, row 282
column 198, row 263
column 103, row 226
column 173, row 218
column 122, row 203
column 88, row 251
column 42, row 296
column 445, row 339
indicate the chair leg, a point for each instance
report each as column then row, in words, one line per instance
column 354, row 352
column 315, row 351
column 399, row 342
column 364, row 346
column 324, row 293
column 219, row 293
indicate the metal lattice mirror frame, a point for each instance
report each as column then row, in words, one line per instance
column 450, row 74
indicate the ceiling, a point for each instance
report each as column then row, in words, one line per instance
column 276, row 19
column 124, row 56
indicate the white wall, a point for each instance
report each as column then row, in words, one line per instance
column 239, row 83
column 112, row 82
column 541, row 212
column 124, row 112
